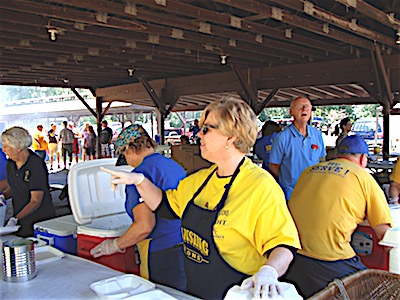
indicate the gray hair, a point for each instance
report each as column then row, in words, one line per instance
column 17, row 137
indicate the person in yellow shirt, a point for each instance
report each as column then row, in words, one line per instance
column 328, row 202
column 394, row 190
column 236, row 226
column 39, row 142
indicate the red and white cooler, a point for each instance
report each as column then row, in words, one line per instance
column 100, row 212
column 366, row 244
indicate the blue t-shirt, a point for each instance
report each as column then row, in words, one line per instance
column 3, row 164
column 165, row 173
column 294, row 153
column 262, row 148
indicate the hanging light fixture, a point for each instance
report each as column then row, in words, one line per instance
column 223, row 58
column 131, row 71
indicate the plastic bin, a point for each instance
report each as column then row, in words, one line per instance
column 58, row 232
column 99, row 212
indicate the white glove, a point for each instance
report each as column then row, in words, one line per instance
column 2, row 200
column 265, row 283
column 12, row 222
column 121, row 177
column 106, row 247
column 394, row 200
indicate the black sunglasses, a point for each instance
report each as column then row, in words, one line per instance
column 206, row 127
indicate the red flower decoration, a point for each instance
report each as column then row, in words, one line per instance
column 314, row 147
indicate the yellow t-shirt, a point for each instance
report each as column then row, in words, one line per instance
column 395, row 176
column 328, row 202
column 255, row 217
column 39, row 142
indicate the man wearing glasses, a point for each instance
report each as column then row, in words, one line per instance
column 297, row 147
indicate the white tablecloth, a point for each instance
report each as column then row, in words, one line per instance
column 67, row 278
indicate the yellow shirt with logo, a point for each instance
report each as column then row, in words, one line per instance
column 328, row 202
column 255, row 217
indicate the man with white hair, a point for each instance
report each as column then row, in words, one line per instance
column 75, row 143
column 297, row 147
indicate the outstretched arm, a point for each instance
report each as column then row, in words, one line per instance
column 150, row 193
column 394, row 192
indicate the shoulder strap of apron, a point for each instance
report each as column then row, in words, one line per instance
column 228, row 186
column 203, row 185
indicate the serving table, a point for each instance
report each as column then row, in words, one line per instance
column 67, row 278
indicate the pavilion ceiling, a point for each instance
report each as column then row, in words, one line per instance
column 167, row 54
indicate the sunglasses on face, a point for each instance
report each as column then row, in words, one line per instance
column 206, row 127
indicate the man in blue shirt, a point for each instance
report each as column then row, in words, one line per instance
column 297, row 147
column 195, row 129
column 263, row 145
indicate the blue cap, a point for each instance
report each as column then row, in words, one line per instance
column 353, row 144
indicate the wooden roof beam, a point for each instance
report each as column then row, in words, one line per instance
column 372, row 12
column 247, row 91
column 313, row 10
column 296, row 21
column 245, row 24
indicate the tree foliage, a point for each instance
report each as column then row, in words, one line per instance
column 15, row 92
column 330, row 113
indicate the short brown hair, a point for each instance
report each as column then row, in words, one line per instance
column 236, row 118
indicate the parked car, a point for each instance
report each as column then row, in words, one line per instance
column 173, row 138
column 168, row 132
column 284, row 122
column 321, row 124
column 367, row 128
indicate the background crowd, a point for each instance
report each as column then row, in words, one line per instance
column 233, row 223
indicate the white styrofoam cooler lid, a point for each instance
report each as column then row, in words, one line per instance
column 61, row 226
column 90, row 193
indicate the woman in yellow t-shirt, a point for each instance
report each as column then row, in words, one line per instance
column 235, row 222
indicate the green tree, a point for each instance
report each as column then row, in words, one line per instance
column 15, row 92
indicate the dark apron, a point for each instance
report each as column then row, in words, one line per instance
column 209, row 276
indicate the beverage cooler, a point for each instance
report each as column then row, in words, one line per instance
column 58, row 232
column 365, row 243
column 100, row 212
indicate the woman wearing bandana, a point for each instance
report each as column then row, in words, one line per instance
column 236, row 227
column 159, row 240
